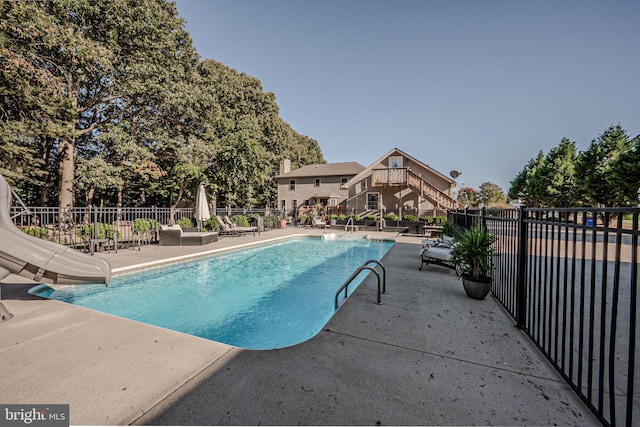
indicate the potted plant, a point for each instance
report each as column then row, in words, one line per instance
column 472, row 260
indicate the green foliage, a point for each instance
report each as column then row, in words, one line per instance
column 605, row 167
column 449, row 228
column 303, row 219
column 342, row 217
column 355, row 217
column 439, row 220
column 143, row 225
column 372, row 217
column 271, row 222
column 112, row 97
column 332, row 216
column 473, row 252
column 557, row 175
column 409, row 218
column 468, row 196
column 38, row 232
column 185, row 222
column 606, row 174
column 240, row 220
column 97, row 231
column 391, row 217
column 426, row 218
column 212, row 224
column 490, row 194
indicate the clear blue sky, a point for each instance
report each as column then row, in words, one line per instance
column 478, row 86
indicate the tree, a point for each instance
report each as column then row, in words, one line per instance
column 467, row 196
column 597, row 167
column 557, row 176
column 533, row 191
column 115, row 89
column 625, row 175
column 491, row 194
column 106, row 60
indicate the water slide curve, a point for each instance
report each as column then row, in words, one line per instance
column 42, row 260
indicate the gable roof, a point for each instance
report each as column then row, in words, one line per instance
column 324, row 169
column 396, row 151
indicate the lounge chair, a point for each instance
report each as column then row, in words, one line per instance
column 317, row 222
column 228, row 227
column 239, row 228
column 174, row 235
column 437, row 252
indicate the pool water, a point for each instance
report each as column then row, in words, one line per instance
column 263, row 298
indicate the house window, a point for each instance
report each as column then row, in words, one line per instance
column 317, row 182
column 372, row 201
column 292, row 185
column 395, row 161
column 343, row 181
column 283, row 204
column 295, row 204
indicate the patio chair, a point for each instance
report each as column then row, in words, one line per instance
column 317, row 222
column 238, row 228
column 228, row 227
column 437, row 252
column 225, row 228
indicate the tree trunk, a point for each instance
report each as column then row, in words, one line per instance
column 66, row 168
column 180, row 191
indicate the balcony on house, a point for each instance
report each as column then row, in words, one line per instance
column 390, row 177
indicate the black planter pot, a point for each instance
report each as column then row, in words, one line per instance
column 476, row 289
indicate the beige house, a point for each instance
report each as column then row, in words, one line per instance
column 319, row 185
column 398, row 183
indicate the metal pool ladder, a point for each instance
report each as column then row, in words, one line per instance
column 365, row 266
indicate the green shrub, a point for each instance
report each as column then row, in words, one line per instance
column 212, row 224
column 439, row 220
column 240, row 220
column 427, row 218
column 97, row 231
column 342, row 217
column 303, row 219
column 409, row 218
column 38, row 232
column 391, row 217
column 271, row 221
column 355, row 217
column 142, row 225
column 332, row 216
column 372, row 217
column 184, row 222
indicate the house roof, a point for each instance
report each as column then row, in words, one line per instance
column 396, row 151
column 325, row 169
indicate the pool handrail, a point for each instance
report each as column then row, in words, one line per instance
column 345, row 285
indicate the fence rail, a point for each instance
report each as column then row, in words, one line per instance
column 569, row 277
column 75, row 226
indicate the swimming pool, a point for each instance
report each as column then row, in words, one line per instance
column 262, row 298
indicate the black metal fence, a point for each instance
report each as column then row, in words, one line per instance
column 569, row 277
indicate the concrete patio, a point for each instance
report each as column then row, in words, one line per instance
column 427, row 356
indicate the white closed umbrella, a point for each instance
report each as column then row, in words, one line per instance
column 202, row 206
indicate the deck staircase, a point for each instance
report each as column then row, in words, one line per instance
column 399, row 177
column 439, row 198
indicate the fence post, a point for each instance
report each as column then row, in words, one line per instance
column 483, row 220
column 521, row 273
